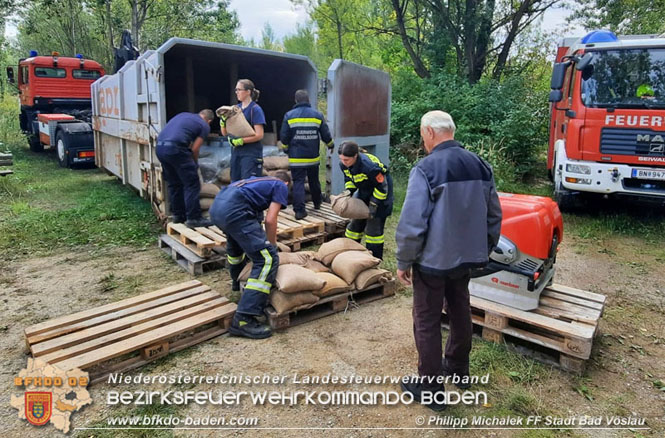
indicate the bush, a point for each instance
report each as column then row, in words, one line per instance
column 506, row 121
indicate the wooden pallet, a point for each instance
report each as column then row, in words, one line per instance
column 560, row 331
column 6, row 172
column 334, row 225
column 127, row 334
column 195, row 241
column 290, row 228
column 329, row 305
column 187, row 259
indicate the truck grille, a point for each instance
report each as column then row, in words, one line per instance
column 620, row 141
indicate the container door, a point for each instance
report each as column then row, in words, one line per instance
column 358, row 110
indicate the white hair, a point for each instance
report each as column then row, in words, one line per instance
column 439, row 121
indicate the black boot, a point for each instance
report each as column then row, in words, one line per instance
column 459, row 379
column 301, row 215
column 200, row 222
column 416, row 388
column 178, row 219
column 247, row 326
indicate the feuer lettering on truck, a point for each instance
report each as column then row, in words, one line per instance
column 108, row 101
column 627, row 120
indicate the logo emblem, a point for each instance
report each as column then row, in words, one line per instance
column 657, row 148
column 38, row 407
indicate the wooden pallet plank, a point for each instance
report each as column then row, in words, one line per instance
column 6, row 172
column 219, row 240
column 572, row 299
column 133, row 330
column 592, row 314
column 185, row 232
column 134, row 343
column 108, row 308
column 96, row 330
column 591, row 296
column 563, row 314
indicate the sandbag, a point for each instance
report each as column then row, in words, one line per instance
column 206, row 203
column 351, row 263
column 371, row 276
column 282, row 248
column 276, row 163
column 294, row 278
column 208, row 190
column 334, row 285
column 236, row 123
column 224, row 176
column 244, row 274
column 316, row 266
column 329, row 250
column 284, row 303
column 296, row 258
column 349, row 207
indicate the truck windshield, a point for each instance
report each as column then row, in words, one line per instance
column 628, row 78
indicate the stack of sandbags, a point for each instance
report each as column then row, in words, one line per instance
column 352, row 262
column 272, row 164
column 207, row 196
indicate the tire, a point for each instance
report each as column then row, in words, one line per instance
column 62, row 149
column 561, row 195
column 35, row 144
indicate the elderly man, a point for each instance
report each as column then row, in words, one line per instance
column 451, row 220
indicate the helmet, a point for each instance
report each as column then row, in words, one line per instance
column 644, row 90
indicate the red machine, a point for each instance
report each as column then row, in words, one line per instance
column 607, row 128
column 522, row 264
column 54, row 94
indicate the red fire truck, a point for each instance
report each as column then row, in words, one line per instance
column 54, row 94
column 607, row 128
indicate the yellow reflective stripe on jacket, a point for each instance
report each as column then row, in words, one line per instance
column 235, row 260
column 259, row 285
column 349, row 185
column 375, row 239
column 377, row 161
column 378, row 194
column 353, row 235
column 304, row 121
column 304, row 160
column 360, row 177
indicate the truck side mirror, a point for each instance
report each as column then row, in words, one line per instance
column 558, row 74
column 10, row 74
column 583, row 63
column 556, row 95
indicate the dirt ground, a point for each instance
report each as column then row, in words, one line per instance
column 375, row 339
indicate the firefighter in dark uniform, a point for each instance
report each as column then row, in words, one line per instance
column 366, row 174
column 238, row 210
column 301, row 129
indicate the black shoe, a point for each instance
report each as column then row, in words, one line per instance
column 235, row 286
column 247, row 326
column 200, row 222
column 317, row 206
column 417, row 388
column 178, row 219
column 461, row 380
column 301, row 215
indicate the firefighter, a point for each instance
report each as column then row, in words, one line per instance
column 301, row 129
column 247, row 152
column 238, row 210
column 367, row 175
column 178, row 152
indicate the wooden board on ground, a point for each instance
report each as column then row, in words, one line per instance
column 188, row 260
column 562, row 328
column 124, row 335
column 329, row 305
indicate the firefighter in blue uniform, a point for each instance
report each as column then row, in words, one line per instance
column 367, row 175
column 238, row 210
column 301, row 130
column 247, row 152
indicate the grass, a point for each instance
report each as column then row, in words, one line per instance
column 44, row 208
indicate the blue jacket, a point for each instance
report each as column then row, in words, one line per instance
column 370, row 177
column 301, row 129
column 451, row 217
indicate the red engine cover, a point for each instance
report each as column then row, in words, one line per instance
column 531, row 222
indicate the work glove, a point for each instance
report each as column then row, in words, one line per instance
column 330, row 146
column 372, row 209
column 222, row 121
column 237, row 142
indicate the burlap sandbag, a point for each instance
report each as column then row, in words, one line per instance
column 244, row 274
column 296, row 258
column 316, row 266
column 206, row 203
column 334, row 285
column 275, row 163
column 290, row 302
column 329, row 250
column 294, row 278
column 349, row 207
column 236, row 123
column 208, row 191
column 282, row 248
column 351, row 263
column 371, row 276
column 224, row 176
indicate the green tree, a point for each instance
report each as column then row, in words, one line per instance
column 302, row 42
column 622, row 16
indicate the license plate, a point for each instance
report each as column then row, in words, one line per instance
column 649, row 174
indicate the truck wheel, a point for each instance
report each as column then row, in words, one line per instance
column 561, row 195
column 62, row 149
column 35, row 144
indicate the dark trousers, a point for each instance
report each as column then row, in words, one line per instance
column 245, row 237
column 298, row 174
column 373, row 230
column 246, row 163
column 431, row 294
column 182, row 180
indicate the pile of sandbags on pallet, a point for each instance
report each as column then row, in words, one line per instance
column 207, row 196
column 304, row 277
